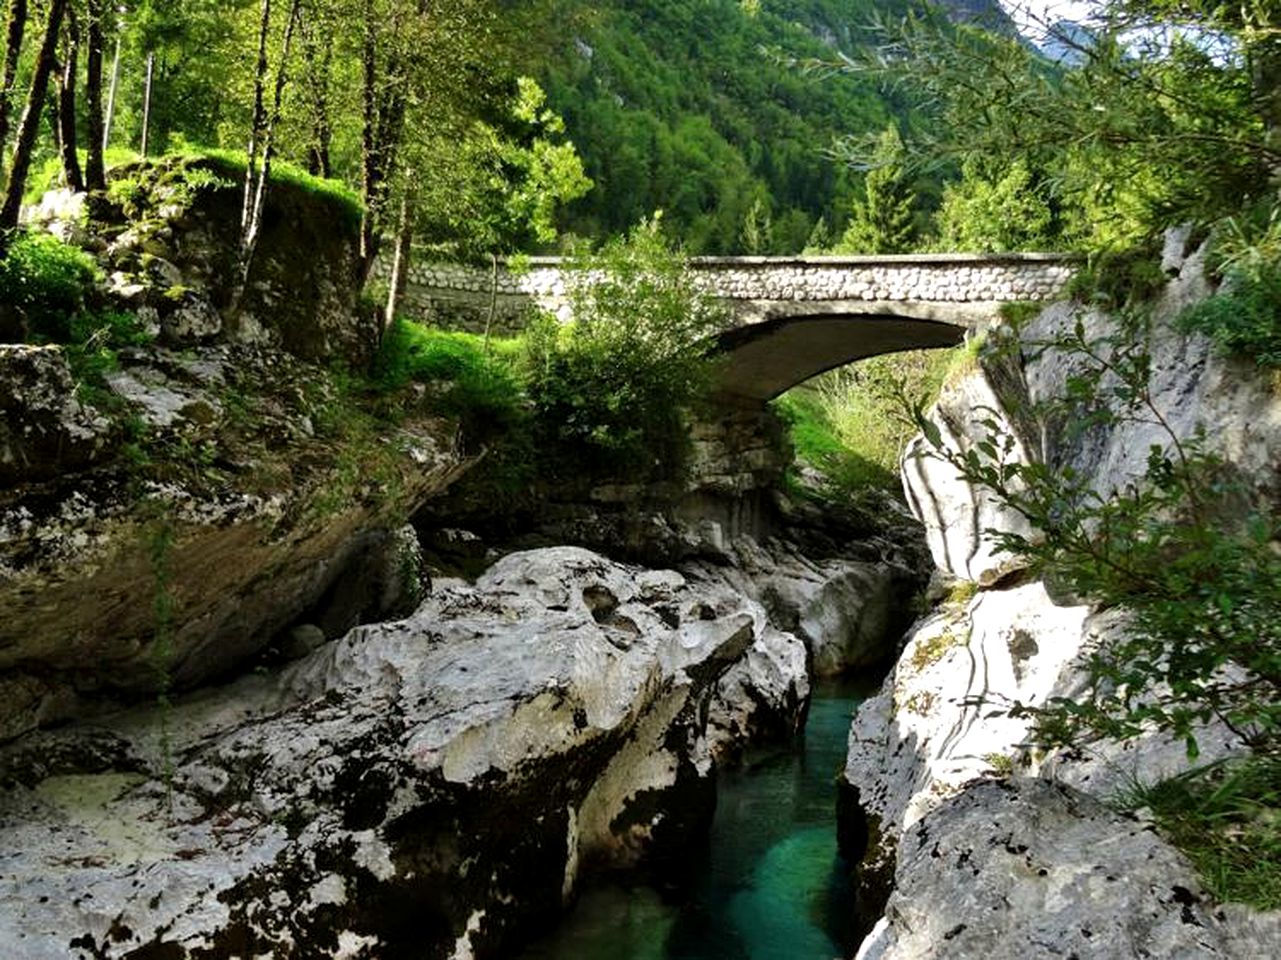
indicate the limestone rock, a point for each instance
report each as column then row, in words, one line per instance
column 45, row 430
column 957, row 515
column 940, row 720
column 433, row 785
column 850, row 613
column 226, row 485
column 1025, row 868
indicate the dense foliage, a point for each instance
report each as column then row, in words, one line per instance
column 691, row 109
column 615, row 385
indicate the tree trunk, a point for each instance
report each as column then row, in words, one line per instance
column 146, row 103
column 249, row 239
column 66, row 107
column 95, row 169
column 318, row 54
column 369, row 185
column 111, row 96
column 30, row 123
column 256, row 122
column 399, row 279
column 17, row 26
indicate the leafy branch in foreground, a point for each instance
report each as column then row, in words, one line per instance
column 1154, row 125
column 1178, row 549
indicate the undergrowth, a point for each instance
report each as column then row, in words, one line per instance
column 1226, row 817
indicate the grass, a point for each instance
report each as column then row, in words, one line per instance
column 47, row 174
column 1226, row 817
column 850, row 424
column 336, row 191
column 470, row 377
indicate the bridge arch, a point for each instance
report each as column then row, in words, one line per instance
column 761, row 361
column 788, row 318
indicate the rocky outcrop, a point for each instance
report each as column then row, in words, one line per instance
column 1027, row 868
column 990, row 848
column 45, row 429
column 174, row 260
column 225, row 495
column 431, row 787
column 850, row 612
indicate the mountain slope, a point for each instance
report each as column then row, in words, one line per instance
column 685, row 106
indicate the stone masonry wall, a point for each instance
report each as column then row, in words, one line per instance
column 459, row 295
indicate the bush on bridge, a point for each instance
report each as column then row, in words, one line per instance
column 612, row 387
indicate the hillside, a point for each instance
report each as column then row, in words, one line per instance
column 686, row 107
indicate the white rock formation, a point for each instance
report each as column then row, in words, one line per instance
column 431, row 784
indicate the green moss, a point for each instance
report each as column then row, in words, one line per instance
column 343, row 197
column 930, row 651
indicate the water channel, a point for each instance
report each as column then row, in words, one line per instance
column 768, row 886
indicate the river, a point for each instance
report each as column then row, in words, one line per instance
column 769, row 885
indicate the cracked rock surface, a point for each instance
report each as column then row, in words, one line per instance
column 430, row 787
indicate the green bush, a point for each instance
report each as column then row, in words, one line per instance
column 1245, row 317
column 470, row 378
column 47, row 282
column 613, row 388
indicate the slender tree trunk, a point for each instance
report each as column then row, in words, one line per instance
column 17, row 25
column 66, row 106
column 111, row 97
column 249, row 238
column 95, row 169
column 318, row 53
column 146, row 103
column 256, row 122
column 368, row 140
column 28, row 126
column 268, row 147
column 399, row 279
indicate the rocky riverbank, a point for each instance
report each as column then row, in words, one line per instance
column 970, row 842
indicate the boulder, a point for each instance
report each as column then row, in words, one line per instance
column 44, row 429
column 850, row 613
column 218, row 502
column 1024, row 868
column 941, row 718
column 430, row 787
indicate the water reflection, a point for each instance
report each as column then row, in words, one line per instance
column 770, row 884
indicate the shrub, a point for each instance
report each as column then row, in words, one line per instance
column 1245, row 316
column 613, row 387
column 47, row 282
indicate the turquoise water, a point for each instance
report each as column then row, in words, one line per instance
column 768, row 886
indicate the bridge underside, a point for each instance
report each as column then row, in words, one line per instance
column 768, row 356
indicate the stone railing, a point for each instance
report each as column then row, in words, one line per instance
column 464, row 296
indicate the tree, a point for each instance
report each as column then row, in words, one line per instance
column 28, row 126
column 990, row 211
column 65, row 105
column 483, row 189
column 1168, row 126
column 883, row 220
column 16, row 27
column 95, row 170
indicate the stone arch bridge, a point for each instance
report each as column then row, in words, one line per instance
column 790, row 318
